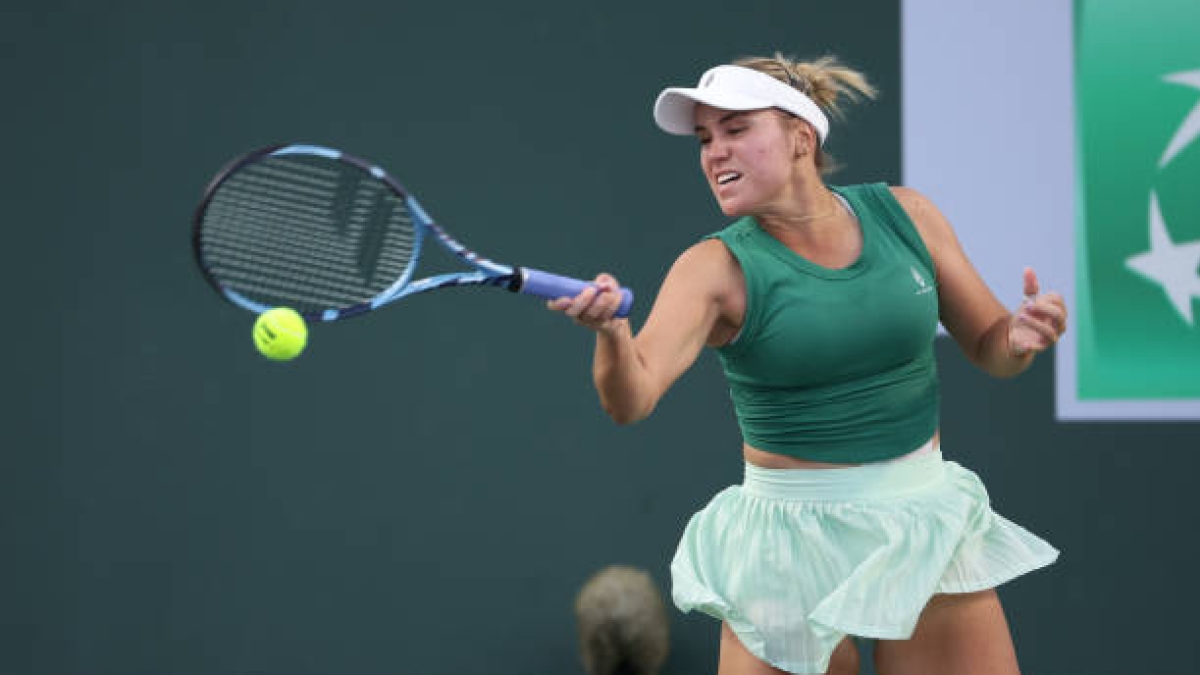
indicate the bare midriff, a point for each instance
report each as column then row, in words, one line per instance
column 772, row 460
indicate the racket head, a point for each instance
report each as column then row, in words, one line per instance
column 307, row 227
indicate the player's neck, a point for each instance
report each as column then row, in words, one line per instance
column 808, row 208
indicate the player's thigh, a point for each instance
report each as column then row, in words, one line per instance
column 957, row 634
column 735, row 659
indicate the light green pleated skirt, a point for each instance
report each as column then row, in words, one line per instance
column 795, row 560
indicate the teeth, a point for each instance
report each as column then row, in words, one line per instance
column 727, row 177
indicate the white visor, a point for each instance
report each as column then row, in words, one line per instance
column 734, row 88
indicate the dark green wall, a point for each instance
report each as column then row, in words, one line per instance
column 426, row 489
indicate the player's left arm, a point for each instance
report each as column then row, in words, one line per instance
column 1000, row 342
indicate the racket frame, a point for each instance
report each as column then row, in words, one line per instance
column 485, row 273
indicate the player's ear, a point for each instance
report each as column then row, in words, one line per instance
column 802, row 134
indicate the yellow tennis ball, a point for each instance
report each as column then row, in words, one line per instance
column 280, row 334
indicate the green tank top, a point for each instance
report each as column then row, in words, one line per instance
column 836, row 365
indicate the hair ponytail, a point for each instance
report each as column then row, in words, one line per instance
column 825, row 80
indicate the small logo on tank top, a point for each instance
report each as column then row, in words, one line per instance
column 923, row 286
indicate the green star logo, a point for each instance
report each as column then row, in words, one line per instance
column 1138, row 235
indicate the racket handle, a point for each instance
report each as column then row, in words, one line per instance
column 552, row 287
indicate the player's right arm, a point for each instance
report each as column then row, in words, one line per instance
column 699, row 303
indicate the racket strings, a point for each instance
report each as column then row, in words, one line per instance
column 300, row 249
column 264, row 267
column 344, row 215
column 306, row 232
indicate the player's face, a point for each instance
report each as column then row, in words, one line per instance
column 747, row 157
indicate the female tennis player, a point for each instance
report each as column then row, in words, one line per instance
column 822, row 303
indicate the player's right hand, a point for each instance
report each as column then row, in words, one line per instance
column 595, row 306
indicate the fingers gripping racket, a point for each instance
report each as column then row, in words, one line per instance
column 333, row 236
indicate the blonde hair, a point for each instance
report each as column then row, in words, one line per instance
column 826, row 81
column 622, row 623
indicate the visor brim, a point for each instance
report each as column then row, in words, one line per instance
column 675, row 109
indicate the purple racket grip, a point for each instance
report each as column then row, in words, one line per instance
column 552, row 286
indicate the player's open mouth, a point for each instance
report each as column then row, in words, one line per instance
column 727, row 177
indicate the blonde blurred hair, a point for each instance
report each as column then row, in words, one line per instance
column 622, row 623
column 825, row 80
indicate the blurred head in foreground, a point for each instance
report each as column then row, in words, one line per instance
column 622, row 621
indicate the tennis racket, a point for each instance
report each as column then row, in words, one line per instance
column 333, row 236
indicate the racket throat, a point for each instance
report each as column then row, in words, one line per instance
column 516, row 282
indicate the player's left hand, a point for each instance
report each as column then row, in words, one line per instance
column 1039, row 322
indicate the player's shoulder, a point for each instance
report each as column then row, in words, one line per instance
column 916, row 203
column 710, row 272
column 910, row 198
column 709, row 252
column 925, row 215
column 707, row 264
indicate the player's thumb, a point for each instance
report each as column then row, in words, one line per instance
column 605, row 281
column 1031, row 283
